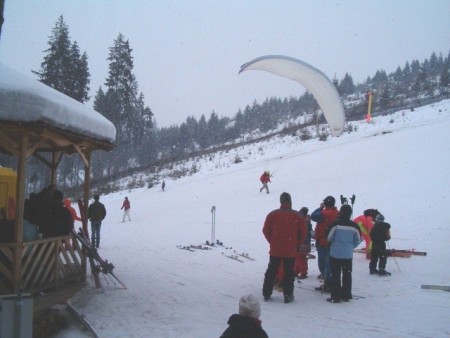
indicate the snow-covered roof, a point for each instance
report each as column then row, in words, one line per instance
column 23, row 99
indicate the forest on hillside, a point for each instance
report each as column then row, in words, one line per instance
column 140, row 144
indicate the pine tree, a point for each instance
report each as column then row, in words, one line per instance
column 123, row 106
column 346, row 86
column 63, row 68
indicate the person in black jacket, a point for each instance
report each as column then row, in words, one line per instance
column 246, row 324
column 379, row 234
column 59, row 217
column 96, row 214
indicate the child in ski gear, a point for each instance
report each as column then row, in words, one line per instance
column 265, row 178
column 284, row 229
column 365, row 223
column 301, row 261
column 163, row 185
column 96, row 214
column 344, row 236
column 379, row 234
column 246, row 323
column 324, row 216
column 126, row 209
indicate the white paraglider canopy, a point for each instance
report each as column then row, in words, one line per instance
column 315, row 81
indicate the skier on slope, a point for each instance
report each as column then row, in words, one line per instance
column 365, row 223
column 379, row 234
column 265, row 178
column 324, row 216
column 126, row 209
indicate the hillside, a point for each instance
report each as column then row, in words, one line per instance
column 398, row 164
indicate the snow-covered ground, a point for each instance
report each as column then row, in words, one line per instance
column 399, row 164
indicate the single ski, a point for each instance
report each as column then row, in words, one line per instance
column 200, row 247
column 436, row 287
column 411, row 251
column 398, row 252
column 245, row 255
column 235, row 257
column 184, row 247
column 303, row 286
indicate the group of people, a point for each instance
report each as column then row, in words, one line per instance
column 46, row 211
column 51, row 215
column 289, row 234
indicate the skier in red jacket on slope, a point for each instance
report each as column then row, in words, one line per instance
column 265, row 178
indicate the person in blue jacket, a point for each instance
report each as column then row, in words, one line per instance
column 344, row 236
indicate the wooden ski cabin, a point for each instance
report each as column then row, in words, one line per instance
column 36, row 120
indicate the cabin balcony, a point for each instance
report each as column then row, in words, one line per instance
column 52, row 270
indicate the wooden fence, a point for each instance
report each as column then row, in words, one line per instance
column 45, row 264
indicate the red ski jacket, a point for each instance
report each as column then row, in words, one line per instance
column 324, row 218
column 126, row 205
column 265, row 178
column 285, row 230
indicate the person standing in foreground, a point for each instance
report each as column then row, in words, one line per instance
column 344, row 236
column 285, row 230
column 379, row 234
column 126, row 209
column 265, row 178
column 96, row 214
column 246, row 323
column 324, row 216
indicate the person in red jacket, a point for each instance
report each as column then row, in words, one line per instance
column 265, row 178
column 126, row 209
column 285, row 230
column 73, row 212
column 324, row 216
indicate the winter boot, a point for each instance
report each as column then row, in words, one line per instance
column 384, row 273
column 288, row 298
column 374, row 272
column 333, row 300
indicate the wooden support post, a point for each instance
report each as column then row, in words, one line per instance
column 87, row 183
column 20, row 199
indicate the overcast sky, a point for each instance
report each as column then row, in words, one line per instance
column 187, row 54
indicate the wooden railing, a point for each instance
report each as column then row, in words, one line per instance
column 45, row 264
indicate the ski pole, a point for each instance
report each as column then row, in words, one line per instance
column 393, row 257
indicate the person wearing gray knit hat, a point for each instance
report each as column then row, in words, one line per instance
column 249, row 306
column 246, row 323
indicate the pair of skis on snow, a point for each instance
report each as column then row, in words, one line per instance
column 218, row 244
column 97, row 263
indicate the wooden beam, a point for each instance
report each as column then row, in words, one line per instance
column 82, row 155
column 9, row 144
